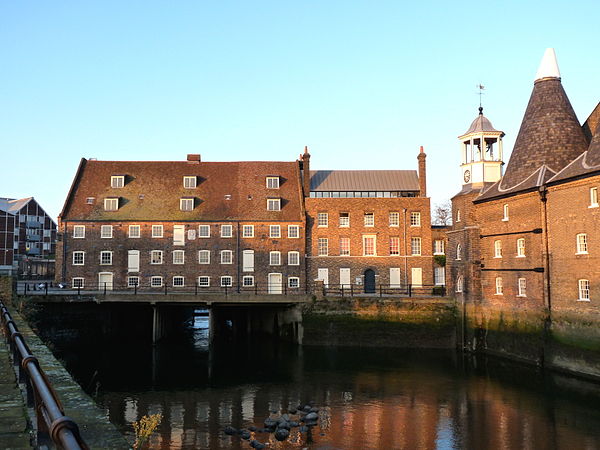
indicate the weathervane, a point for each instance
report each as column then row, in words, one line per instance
column 481, row 87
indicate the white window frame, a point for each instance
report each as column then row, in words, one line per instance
column 178, row 277
column 117, row 181
column 109, row 256
column 582, row 244
column 272, row 182
column 155, row 231
column 186, row 204
column 159, row 257
column 458, row 216
column 153, row 279
column 77, row 253
column 275, row 258
column 275, row 231
column 247, row 231
column 415, row 219
column 205, row 253
column 224, row 278
column 103, row 232
column 521, row 287
column 394, row 219
column 322, row 247
column 345, row 252
column 499, row 286
column 416, row 241
column 226, row 257
column 497, row 248
column 293, row 258
column 78, row 231
column 397, row 240
column 364, row 244
column 178, row 257
column 132, row 234
column 583, row 287
column 249, row 278
column 458, row 252
column 459, row 284
column 203, row 281
column 130, row 279
column 505, row 214
column 111, row 204
column 205, row 228
column 273, row 204
column 521, row 248
column 439, row 249
column 439, row 280
column 77, row 282
column 296, row 232
column 593, row 197
column 190, row 182
column 293, row 282
column 322, row 220
column 369, row 219
column 344, row 220
column 226, row 231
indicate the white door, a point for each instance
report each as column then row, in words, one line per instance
column 105, row 279
column 345, row 278
column 178, row 235
column 133, row 261
column 394, row 277
column 248, row 260
column 323, row 275
column 275, row 283
column 416, row 278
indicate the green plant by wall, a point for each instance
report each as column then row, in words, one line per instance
column 440, row 260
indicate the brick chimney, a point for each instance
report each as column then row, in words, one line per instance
column 422, row 173
column 193, row 157
column 305, row 159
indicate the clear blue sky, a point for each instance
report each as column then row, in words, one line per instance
column 363, row 84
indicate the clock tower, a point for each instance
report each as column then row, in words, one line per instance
column 481, row 152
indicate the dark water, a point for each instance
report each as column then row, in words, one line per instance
column 368, row 398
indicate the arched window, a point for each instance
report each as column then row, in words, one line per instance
column 458, row 252
column 459, row 284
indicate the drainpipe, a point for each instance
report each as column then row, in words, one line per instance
column 405, row 253
column 239, row 262
column 64, row 263
column 546, row 255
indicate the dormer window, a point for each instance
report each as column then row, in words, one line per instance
column 117, row 181
column 189, row 182
column 272, row 182
column 111, row 204
column 273, row 204
column 186, row 204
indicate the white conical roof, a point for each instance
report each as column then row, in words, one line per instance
column 548, row 67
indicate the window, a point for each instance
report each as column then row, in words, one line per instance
column 394, row 219
column 117, row 181
column 582, row 247
column 322, row 247
column 394, row 246
column 77, row 282
column 274, row 258
column 293, row 258
column 203, row 256
column 203, row 281
column 226, row 281
column 189, row 182
column 499, row 286
column 272, row 182
column 369, row 220
column 106, row 231
column 293, row 231
column 459, row 284
column 248, row 261
column 90, row 200
column 584, row 290
column 248, row 231
column 156, row 281
column 157, row 231
column 415, row 246
column 458, row 220
column 273, row 204
column 186, row 204
column 293, row 282
column 274, row 231
column 344, row 246
column 522, row 287
column 106, row 257
column 593, row 197
column 438, row 247
column 156, row 257
column 79, row 231
column 226, row 231
column 178, row 281
column 247, row 281
column 178, row 234
column 369, row 246
column 204, row 231
column 134, row 231
column 415, row 219
column 78, row 258
column 133, row 260
column 178, row 256
column 322, row 219
column 505, row 213
column 458, row 252
column 111, row 204
column 498, row 249
column 439, row 276
column 133, row 281
column 520, row 247
column 344, row 219
column 226, row 257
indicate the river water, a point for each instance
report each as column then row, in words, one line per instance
column 367, row 398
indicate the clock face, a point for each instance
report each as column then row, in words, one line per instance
column 467, row 176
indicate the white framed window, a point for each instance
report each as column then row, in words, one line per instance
column 157, row 231
column 344, row 220
column 178, row 256
column 415, row 246
column 459, row 284
column 415, row 219
column 111, row 204
column 293, row 231
column 273, row 204
column 584, row 290
column 293, row 258
column 322, row 219
column 90, row 200
column 458, row 252
column 156, row 257
column 79, row 231
column 203, row 281
column 369, row 245
column 117, row 181
column 439, row 276
column 248, row 281
column 203, row 231
column 498, row 249
column 394, row 246
column 293, row 282
column 133, row 281
column 226, row 231
column 505, row 213
column 77, row 282
column 248, row 231
column 344, row 246
column 458, row 220
column 499, row 290
column 106, row 258
column 226, row 281
column 78, row 258
column 156, row 281
column 178, row 281
column 272, row 182
column 369, row 219
column 203, row 256
column 186, row 204
column 226, row 257
column 522, row 287
column 394, row 219
column 322, row 247
column 274, row 231
column 189, row 182
column 582, row 246
column 134, row 231
column 106, row 231
column 593, row 197
column 275, row 258
column 520, row 247
column 439, row 247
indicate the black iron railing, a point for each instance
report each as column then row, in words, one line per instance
column 51, row 420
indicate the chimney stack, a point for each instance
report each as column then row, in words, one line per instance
column 305, row 159
column 422, row 173
column 193, row 157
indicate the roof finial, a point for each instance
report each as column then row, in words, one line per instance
column 549, row 66
column 481, row 87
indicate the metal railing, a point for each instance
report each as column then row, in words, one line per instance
column 51, row 420
column 385, row 290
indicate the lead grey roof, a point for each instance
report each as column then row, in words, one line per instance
column 364, row 180
column 12, row 206
column 481, row 124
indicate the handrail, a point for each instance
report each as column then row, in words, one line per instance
column 51, row 420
